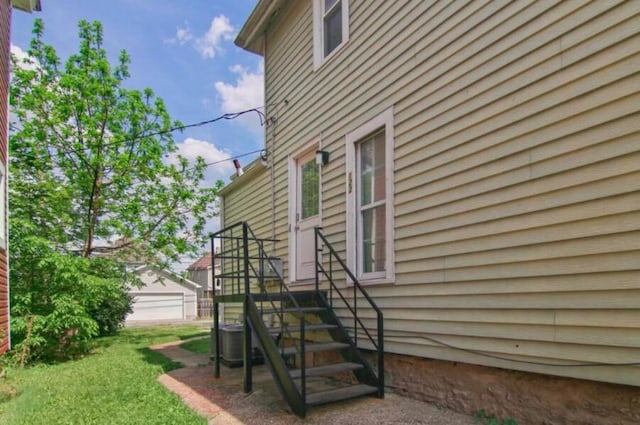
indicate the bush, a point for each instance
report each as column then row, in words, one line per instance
column 112, row 299
column 60, row 301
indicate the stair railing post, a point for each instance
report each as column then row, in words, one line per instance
column 315, row 241
column 213, row 269
column 237, row 254
column 303, row 361
column 380, row 356
column 247, row 329
column 245, row 255
column 355, row 316
column 216, row 327
column 216, row 318
column 248, row 375
column 330, row 279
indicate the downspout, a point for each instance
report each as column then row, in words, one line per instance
column 273, row 149
column 320, row 181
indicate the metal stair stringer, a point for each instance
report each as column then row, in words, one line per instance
column 366, row 375
column 274, row 360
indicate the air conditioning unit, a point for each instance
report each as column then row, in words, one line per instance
column 231, row 340
column 232, row 344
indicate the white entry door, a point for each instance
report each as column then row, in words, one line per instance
column 306, row 216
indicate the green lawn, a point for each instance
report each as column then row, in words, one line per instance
column 199, row 346
column 115, row 385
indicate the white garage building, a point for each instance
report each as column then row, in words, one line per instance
column 163, row 296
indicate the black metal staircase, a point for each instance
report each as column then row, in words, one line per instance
column 314, row 358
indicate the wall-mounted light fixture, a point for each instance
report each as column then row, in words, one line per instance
column 264, row 157
column 322, row 157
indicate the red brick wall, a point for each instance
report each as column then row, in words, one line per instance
column 5, row 20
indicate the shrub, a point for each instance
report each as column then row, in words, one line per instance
column 112, row 301
column 59, row 300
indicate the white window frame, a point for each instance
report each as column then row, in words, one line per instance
column 385, row 121
column 318, row 32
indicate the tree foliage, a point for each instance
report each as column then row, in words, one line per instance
column 94, row 170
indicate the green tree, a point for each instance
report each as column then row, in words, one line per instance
column 94, row 169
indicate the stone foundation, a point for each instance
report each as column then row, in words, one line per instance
column 527, row 397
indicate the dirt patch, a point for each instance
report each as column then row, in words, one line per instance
column 223, row 401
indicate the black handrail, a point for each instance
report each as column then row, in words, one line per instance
column 379, row 345
column 240, row 278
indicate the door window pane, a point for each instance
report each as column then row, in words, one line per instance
column 309, row 189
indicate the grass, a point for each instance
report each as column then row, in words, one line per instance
column 483, row 418
column 198, row 346
column 115, row 385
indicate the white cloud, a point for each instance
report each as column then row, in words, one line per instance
column 209, row 45
column 246, row 92
column 193, row 148
column 183, row 35
column 24, row 60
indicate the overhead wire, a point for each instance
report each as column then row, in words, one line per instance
column 231, row 158
column 226, row 116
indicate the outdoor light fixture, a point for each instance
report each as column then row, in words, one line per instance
column 322, row 157
column 264, row 157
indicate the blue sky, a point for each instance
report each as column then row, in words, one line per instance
column 184, row 51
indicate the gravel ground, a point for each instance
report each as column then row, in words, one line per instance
column 364, row 411
column 223, row 401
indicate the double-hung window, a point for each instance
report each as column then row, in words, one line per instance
column 370, row 247
column 331, row 28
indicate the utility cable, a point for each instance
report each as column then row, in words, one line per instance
column 226, row 116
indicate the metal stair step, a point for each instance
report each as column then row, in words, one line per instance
column 327, row 370
column 311, row 348
column 339, row 394
column 294, row 310
column 299, row 296
column 314, row 327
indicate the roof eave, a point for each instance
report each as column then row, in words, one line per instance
column 171, row 274
column 250, row 36
column 27, row 5
column 252, row 170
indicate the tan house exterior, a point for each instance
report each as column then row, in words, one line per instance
column 483, row 181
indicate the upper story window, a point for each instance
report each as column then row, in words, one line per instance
column 330, row 28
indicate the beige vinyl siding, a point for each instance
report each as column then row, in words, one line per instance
column 517, row 172
column 246, row 200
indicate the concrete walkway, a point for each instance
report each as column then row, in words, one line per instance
column 177, row 354
column 223, row 402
